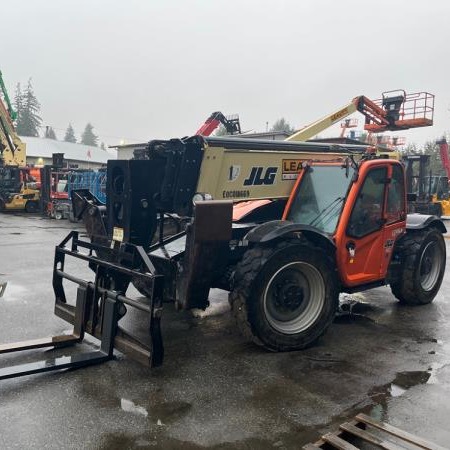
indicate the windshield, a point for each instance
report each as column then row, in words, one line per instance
column 320, row 196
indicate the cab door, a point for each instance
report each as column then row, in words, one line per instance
column 364, row 237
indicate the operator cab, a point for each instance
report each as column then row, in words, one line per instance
column 362, row 207
column 319, row 195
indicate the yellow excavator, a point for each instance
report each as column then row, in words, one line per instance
column 18, row 190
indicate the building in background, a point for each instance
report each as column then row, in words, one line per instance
column 126, row 151
column 77, row 156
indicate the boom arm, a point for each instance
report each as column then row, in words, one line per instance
column 231, row 124
column 12, row 148
column 12, row 113
column 322, row 124
column 226, row 169
column 392, row 112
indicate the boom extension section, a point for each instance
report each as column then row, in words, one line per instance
column 396, row 110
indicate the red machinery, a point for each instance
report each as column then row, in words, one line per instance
column 443, row 148
column 231, row 124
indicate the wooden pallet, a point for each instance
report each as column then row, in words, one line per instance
column 365, row 430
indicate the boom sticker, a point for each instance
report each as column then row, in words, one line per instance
column 291, row 168
column 234, row 172
column 259, row 176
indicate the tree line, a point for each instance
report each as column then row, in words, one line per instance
column 29, row 121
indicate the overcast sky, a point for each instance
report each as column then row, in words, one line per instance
column 144, row 69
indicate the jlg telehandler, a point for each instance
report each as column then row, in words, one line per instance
column 331, row 219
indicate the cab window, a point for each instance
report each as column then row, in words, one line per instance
column 396, row 196
column 367, row 213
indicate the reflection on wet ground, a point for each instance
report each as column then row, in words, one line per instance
column 381, row 395
column 216, row 390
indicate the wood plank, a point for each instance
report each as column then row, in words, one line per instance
column 337, row 442
column 369, row 437
column 408, row 437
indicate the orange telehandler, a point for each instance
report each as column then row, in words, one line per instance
column 339, row 225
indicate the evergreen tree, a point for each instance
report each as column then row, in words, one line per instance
column 50, row 133
column 88, row 137
column 282, row 125
column 18, row 105
column 70, row 134
column 28, row 121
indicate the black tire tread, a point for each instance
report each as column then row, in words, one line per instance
column 243, row 277
column 403, row 286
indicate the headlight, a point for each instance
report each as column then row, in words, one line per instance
column 200, row 197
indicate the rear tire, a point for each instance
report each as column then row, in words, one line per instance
column 284, row 297
column 422, row 265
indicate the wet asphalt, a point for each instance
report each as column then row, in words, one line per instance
column 215, row 390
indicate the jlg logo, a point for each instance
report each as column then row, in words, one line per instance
column 258, row 178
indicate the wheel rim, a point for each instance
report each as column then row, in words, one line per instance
column 430, row 266
column 294, row 298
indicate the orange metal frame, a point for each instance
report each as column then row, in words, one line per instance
column 417, row 110
column 372, row 261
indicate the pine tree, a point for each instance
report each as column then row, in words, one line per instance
column 88, row 137
column 28, row 107
column 282, row 125
column 18, row 104
column 50, row 133
column 70, row 134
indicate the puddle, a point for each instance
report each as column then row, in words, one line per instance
column 353, row 307
column 401, row 383
column 396, row 390
column 129, row 406
column 169, row 412
column 381, row 395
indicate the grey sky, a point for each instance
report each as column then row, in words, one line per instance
column 156, row 69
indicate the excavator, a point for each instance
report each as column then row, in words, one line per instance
column 18, row 190
column 339, row 225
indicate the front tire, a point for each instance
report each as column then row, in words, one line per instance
column 422, row 266
column 284, row 297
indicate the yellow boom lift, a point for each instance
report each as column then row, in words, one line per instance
column 17, row 191
column 396, row 110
